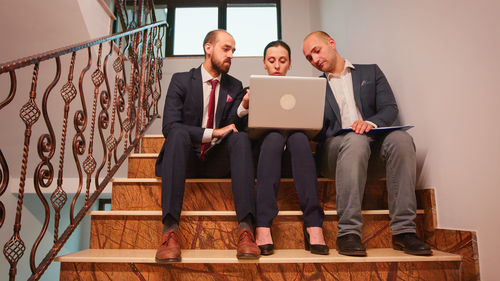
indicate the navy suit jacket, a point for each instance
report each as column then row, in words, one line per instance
column 373, row 97
column 184, row 106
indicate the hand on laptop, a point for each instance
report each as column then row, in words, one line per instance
column 246, row 100
column 222, row 132
column 361, row 127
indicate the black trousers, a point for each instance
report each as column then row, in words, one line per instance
column 232, row 157
column 304, row 177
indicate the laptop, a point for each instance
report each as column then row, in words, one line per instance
column 286, row 103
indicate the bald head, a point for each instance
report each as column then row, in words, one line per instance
column 318, row 35
column 321, row 51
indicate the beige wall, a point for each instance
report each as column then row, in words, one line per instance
column 441, row 58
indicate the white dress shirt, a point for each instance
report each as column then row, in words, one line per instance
column 343, row 92
column 207, row 87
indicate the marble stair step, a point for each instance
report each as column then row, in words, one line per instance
column 216, row 194
column 142, row 165
column 229, row 256
column 218, row 229
column 152, row 143
column 284, row 265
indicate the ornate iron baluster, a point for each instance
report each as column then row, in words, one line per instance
column 103, row 120
column 79, row 143
column 89, row 165
column 122, row 88
column 29, row 113
column 44, row 172
column 59, row 196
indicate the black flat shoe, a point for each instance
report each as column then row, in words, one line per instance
column 267, row 249
column 350, row 245
column 317, row 249
column 410, row 244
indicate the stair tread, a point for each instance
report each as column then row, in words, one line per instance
column 143, row 155
column 229, row 256
column 222, row 213
column 195, row 180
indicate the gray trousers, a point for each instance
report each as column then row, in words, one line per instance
column 345, row 159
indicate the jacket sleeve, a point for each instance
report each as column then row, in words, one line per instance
column 174, row 110
column 385, row 103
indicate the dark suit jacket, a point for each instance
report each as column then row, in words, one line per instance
column 184, row 105
column 373, row 97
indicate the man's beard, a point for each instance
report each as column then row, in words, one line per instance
column 220, row 67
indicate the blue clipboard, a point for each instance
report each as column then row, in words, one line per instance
column 376, row 131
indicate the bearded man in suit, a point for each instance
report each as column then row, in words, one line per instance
column 201, row 140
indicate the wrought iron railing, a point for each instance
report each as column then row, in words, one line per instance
column 117, row 108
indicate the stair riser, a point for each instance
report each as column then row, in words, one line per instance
column 213, row 196
column 200, row 232
column 410, row 271
column 151, row 144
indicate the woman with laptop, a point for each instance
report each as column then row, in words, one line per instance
column 277, row 62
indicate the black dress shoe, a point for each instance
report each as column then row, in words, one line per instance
column 266, row 249
column 350, row 245
column 317, row 249
column 410, row 244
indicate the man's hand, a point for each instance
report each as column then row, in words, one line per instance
column 246, row 100
column 361, row 127
column 222, row 132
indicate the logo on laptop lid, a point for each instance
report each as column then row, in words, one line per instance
column 287, row 101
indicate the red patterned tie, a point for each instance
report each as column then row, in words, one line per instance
column 210, row 121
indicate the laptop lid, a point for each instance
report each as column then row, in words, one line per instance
column 286, row 102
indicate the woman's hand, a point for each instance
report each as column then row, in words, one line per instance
column 246, row 100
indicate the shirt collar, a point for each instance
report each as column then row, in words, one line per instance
column 347, row 65
column 206, row 77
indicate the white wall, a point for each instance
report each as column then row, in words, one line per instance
column 441, row 60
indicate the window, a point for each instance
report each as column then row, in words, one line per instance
column 252, row 27
column 253, row 24
column 188, row 30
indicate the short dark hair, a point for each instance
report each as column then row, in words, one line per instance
column 278, row 43
column 211, row 38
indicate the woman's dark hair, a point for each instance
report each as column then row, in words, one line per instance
column 278, row 43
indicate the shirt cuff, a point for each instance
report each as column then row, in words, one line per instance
column 371, row 123
column 242, row 111
column 207, row 136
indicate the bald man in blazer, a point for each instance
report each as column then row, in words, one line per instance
column 359, row 97
column 201, row 140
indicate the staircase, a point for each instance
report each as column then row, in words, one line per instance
column 123, row 241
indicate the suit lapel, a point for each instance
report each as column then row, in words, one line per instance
column 330, row 98
column 221, row 103
column 356, row 87
column 197, row 86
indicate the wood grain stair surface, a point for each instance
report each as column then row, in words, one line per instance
column 216, row 194
column 224, row 213
column 229, row 256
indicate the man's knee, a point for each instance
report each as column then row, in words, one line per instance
column 355, row 145
column 399, row 142
column 178, row 136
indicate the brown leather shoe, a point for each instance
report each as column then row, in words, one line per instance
column 170, row 249
column 247, row 248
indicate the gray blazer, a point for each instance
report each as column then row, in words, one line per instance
column 373, row 97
